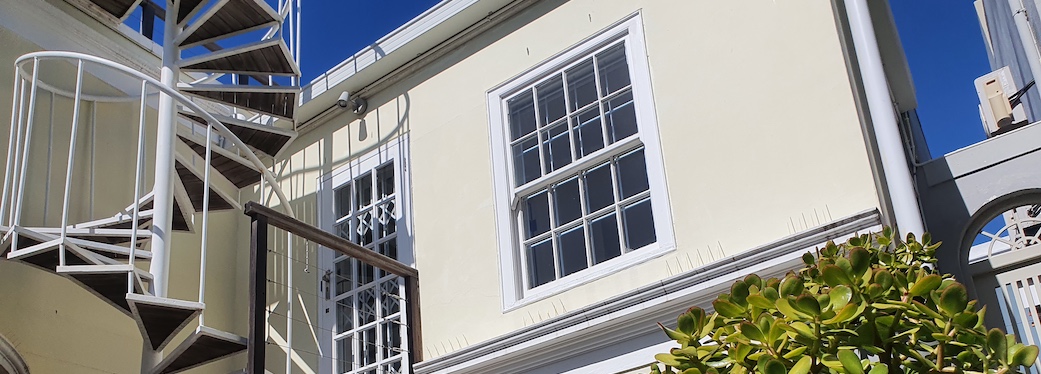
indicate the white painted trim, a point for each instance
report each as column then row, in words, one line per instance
column 630, row 31
column 633, row 313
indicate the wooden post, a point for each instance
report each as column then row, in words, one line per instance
column 415, row 331
column 257, row 344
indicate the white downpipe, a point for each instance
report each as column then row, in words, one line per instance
column 137, row 184
column 162, row 198
column 205, row 220
column 1026, row 36
column 25, row 150
column 883, row 117
column 11, row 141
column 72, row 162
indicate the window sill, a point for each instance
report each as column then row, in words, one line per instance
column 590, row 275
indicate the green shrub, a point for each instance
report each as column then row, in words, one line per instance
column 872, row 304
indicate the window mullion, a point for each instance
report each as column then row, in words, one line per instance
column 538, row 131
column 551, row 198
column 586, row 227
column 618, row 204
column 567, row 117
column 599, row 101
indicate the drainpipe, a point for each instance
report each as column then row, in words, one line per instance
column 884, row 116
column 1026, row 37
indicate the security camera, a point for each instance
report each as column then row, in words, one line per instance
column 344, row 100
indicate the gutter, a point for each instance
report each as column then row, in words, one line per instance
column 892, row 168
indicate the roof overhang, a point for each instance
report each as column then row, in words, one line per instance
column 410, row 41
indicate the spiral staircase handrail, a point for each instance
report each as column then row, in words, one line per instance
column 183, row 100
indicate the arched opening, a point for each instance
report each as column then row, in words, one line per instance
column 10, row 361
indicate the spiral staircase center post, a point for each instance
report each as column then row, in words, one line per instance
column 162, row 220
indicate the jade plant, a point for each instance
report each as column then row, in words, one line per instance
column 872, row 305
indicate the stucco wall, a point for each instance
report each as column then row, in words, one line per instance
column 759, row 135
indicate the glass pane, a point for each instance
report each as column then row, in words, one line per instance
column 588, row 131
column 343, row 200
column 620, row 116
column 389, row 301
column 366, row 273
column 603, row 232
column 344, row 355
column 390, row 249
column 581, row 85
column 386, row 223
column 599, row 189
column 343, row 276
column 551, row 100
column 367, row 342
column 573, row 251
column 522, row 115
column 614, row 71
column 363, row 227
column 526, row 161
column 567, row 202
column 367, row 306
column 540, row 263
column 363, row 191
column 344, row 314
column 392, row 368
column 385, row 181
column 536, row 214
column 639, row 225
column 343, row 229
column 557, row 147
column 632, row 174
column 391, row 340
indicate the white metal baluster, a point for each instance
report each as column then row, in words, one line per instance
column 289, row 297
column 25, row 149
column 72, row 160
column 205, row 220
column 137, row 185
column 16, row 123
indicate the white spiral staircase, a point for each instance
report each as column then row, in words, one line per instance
column 222, row 133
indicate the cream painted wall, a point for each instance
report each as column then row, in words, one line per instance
column 759, row 135
column 55, row 324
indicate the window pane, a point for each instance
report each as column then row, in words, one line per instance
column 366, row 273
column 367, row 306
column 603, row 233
column 557, row 147
column 343, row 200
column 599, row 190
column 386, row 223
column 540, row 263
column 363, row 191
column 536, row 214
column 567, row 202
column 391, row 341
column 551, row 100
column 620, row 116
column 588, row 131
column 581, row 85
column 639, row 225
column 522, row 115
column 614, row 71
column 573, row 251
column 344, row 355
column 367, row 342
column 343, row 229
column 343, row 276
column 389, row 301
column 385, row 181
column 632, row 174
column 344, row 315
column 393, row 367
column 363, row 227
column 526, row 161
column 390, row 249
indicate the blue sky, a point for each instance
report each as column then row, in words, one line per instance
column 941, row 38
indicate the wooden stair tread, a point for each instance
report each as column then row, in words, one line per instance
column 275, row 101
column 117, row 8
column 268, row 57
column 228, row 18
column 160, row 319
column 108, row 282
column 193, row 185
column 267, row 139
column 237, row 173
column 205, row 345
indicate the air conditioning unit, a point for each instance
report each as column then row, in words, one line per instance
column 995, row 91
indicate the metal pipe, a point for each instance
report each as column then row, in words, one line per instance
column 883, row 116
column 289, row 297
column 1026, row 37
column 72, row 160
column 50, row 154
column 205, row 220
column 137, row 184
column 25, row 150
column 162, row 198
column 16, row 107
column 93, row 153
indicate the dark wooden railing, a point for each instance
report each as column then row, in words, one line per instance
column 263, row 216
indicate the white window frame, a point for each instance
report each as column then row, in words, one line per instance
column 395, row 151
column 507, row 197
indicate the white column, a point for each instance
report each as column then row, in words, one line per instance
column 884, row 120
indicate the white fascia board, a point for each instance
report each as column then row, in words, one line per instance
column 394, row 50
column 632, row 313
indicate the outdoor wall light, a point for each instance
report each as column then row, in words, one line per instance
column 357, row 105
